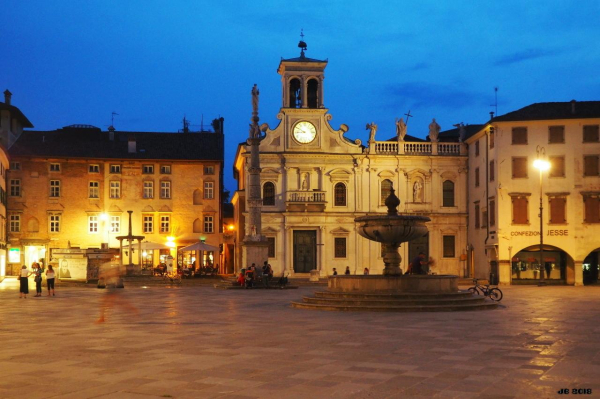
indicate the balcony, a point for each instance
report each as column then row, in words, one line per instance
column 305, row 201
column 421, row 148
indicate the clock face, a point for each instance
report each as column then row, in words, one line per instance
column 304, row 132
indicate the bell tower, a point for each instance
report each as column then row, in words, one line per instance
column 302, row 80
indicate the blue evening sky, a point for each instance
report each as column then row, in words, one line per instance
column 153, row 62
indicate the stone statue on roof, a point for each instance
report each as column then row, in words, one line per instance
column 434, row 131
column 400, row 129
column 373, row 127
column 255, row 94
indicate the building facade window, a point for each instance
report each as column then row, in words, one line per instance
column 590, row 134
column 558, row 206
column 93, row 224
column 15, row 165
column 94, row 168
column 54, row 188
column 148, row 169
column 115, row 189
column 448, row 193
column 94, row 189
column 340, row 247
column 519, row 135
column 115, row 224
column 15, row 223
column 492, row 212
column 476, row 177
column 271, row 252
column 148, row 189
column 209, row 170
column 557, row 166
column 165, row 169
column 477, row 148
column 386, row 190
column 339, row 194
column 54, row 167
column 115, row 169
column 15, row 187
column 519, row 210
column 590, row 165
column 165, row 189
column 492, row 137
column 449, row 246
column 492, row 171
column 165, row 223
column 519, row 167
column 209, row 190
column 148, row 222
column 54, row 223
column 592, row 209
column 477, row 215
column 556, row 135
column 484, row 218
column 269, row 194
column 208, row 224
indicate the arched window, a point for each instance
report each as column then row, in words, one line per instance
column 312, row 95
column 448, row 189
column 340, row 194
column 197, row 197
column 197, row 226
column 269, row 193
column 295, row 93
column 386, row 190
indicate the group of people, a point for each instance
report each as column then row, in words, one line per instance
column 419, row 265
column 248, row 277
column 37, row 271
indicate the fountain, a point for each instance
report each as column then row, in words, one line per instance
column 393, row 291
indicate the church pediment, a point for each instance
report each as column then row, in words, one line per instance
column 269, row 230
column 340, row 231
column 148, row 208
column 340, row 174
column 386, row 174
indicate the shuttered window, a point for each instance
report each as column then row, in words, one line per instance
column 477, row 148
column 519, row 205
column 590, row 165
column 557, row 166
column 477, row 224
column 449, row 244
column 492, row 212
column 590, row 134
column 476, row 177
column 519, row 167
column 558, row 210
column 271, row 251
column 592, row 209
column 340, row 247
column 519, row 135
column 448, row 193
column 484, row 218
column 491, row 137
column 492, row 171
column 556, row 134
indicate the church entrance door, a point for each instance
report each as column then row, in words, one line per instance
column 305, row 251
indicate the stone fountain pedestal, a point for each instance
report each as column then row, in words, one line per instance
column 391, row 284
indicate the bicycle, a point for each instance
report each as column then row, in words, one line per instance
column 494, row 293
column 172, row 278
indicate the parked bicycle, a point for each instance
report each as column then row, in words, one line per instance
column 170, row 278
column 478, row 289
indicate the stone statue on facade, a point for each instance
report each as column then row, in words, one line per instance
column 400, row 129
column 417, row 191
column 373, row 129
column 462, row 132
column 304, row 183
column 434, row 131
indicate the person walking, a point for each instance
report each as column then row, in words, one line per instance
column 24, row 281
column 50, row 275
column 37, row 278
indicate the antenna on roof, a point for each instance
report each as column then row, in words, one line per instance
column 186, row 125
column 495, row 104
column 202, row 123
column 112, row 118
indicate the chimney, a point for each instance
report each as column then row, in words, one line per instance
column 7, row 96
column 492, row 115
column 131, row 145
column 111, row 133
column 573, row 106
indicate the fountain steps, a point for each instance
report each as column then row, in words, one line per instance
column 397, row 302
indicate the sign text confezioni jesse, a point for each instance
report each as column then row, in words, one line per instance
column 537, row 233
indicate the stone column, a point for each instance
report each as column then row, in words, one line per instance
column 303, row 91
column 578, row 264
column 321, row 103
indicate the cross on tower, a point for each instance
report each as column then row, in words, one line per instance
column 408, row 115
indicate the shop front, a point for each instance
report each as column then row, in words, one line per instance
column 527, row 269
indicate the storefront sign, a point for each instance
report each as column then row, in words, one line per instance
column 14, row 255
column 528, row 233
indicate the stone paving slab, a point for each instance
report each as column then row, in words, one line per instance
column 198, row 342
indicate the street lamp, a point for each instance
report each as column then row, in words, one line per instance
column 542, row 165
column 104, row 219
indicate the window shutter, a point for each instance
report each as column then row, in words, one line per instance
column 519, row 135
column 557, row 167
column 492, row 171
column 519, row 167
column 556, row 134
column 590, row 165
column 590, row 134
column 592, row 210
column 476, row 216
column 557, row 210
column 520, row 211
column 492, row 213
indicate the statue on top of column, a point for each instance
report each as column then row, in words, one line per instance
column 255, row 93
column 434, row 131
column 254, row 129
column 400, row 129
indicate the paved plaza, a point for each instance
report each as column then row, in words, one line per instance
column 200, row 342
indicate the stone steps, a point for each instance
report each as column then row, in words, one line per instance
column 230, row 286
column 393, row 302
column 395, row 295
column 398, row 308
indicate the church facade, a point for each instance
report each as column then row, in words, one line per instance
column 315, row 181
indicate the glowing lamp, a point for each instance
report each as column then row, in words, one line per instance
column 541, row 165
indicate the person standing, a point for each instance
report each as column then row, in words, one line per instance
column 50, row 275
column 366, row 271
column 334, row 272
column 347, row 272
column 37, row 273
column 415, row 265
column 24, row 282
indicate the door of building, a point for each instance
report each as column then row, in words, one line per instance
column 418, row 245
column 305, row 251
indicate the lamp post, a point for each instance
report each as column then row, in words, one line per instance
column 542, row 165
column 104, row 219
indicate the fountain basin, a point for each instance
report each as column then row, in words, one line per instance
column 392, row 229
column 440, row 284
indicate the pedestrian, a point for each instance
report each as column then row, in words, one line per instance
column 417, row 262
column 50, row 275
column 111, row 298
column 37, row 273
column 334, row 272
column 347, row 272
column 366, row 271
column 24, row 282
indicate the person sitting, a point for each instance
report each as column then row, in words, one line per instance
column 416, row 264
column 240, row 279
column 347, row 272
column 249, row 277
column 366, row 271
column 267, row 274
